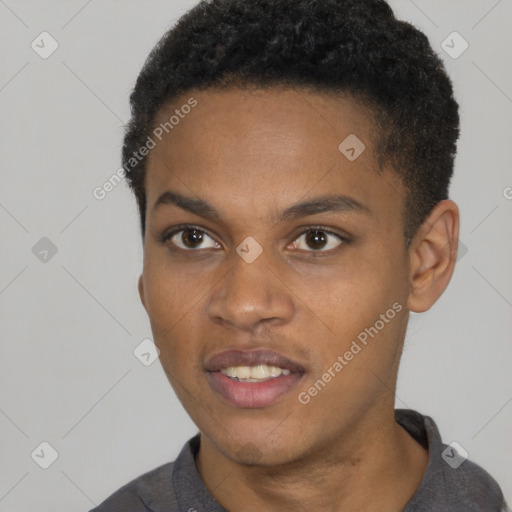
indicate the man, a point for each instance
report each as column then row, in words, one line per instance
column 291, row 164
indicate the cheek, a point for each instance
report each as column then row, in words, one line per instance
column 363, row 305
column 358, row 359
column 169, row 293
column 179, row 342
column 171, row 304
column 360, row 308
column 352, row 299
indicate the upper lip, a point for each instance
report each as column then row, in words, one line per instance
column 251, row 358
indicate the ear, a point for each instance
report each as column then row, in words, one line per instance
column 432, row 256
column 141, row 292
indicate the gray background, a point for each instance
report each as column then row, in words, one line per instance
column 69, row 325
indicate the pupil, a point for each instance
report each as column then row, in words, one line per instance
column 192, row 237
column 316, row 239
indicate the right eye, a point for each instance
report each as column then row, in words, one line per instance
column 190, row 238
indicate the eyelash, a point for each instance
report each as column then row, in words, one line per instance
column 167, row 235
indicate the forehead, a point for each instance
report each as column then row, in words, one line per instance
column 284, row 120
column 257, row 146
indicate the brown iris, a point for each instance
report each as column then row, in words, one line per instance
column 316, row 239
column 192, row 238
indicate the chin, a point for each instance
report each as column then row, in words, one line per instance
column 259, row 448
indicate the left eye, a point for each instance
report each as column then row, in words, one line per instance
column 318, row 240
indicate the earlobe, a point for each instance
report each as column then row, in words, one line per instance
column 432, row 255
column 141, row 291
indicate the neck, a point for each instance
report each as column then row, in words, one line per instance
column 373, row 468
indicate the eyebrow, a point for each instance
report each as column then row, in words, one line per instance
column 329, row 203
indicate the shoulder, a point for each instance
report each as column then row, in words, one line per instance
column 470, row 487
column 143, row 492
column 464, row 484
column 452, row 482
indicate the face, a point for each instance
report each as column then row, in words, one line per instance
column 268, row 247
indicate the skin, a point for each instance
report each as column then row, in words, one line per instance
column 251, row 155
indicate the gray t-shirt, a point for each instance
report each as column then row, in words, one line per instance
column 450, row 484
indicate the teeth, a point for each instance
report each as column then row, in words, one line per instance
column 274, row 371
column 254, row 373
column 261, row 371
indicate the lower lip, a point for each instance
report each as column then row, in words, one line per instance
column 253, row 394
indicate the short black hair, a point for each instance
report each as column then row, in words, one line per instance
column 356, row 47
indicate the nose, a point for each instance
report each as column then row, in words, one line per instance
column 251, row 294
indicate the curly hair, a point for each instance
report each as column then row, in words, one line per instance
column 356, row 47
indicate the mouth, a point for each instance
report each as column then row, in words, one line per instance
column 252, row 379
